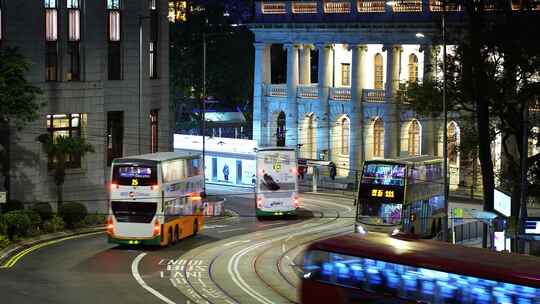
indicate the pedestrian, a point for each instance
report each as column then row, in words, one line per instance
column 226, row 172
column 301, row 172
column 332, row 170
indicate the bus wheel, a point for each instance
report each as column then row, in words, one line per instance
column 178, row 233
column 175, row 235
column 195, row 227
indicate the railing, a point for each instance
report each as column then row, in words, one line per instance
column 340, row 93
column 371, row 6
column 437, row 6
column 300, row 7
column 274, row 8
column 535, row 107
column 308, row 91
column 369, row 95
column 276, row 90
column 337, row 7
column 407, row 6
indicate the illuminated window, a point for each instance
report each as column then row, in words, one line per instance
column 50, row 3
column 413, row 68
column 66, row 125
column 345, row 135
column 152, row 4
column 74, row 16
column 378, row 138
column 73, row 4
column 345, row 74
column 51, row 24
column 414, row 138
column 452, row 137
column 378, row 83
column 177, row 10
column 113, row 4
column 114, row 60
column 154, row 130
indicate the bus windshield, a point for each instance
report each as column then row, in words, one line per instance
column 384, row 174
column 381, row 213
column 134, row 175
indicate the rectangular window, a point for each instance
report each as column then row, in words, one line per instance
column 152, row 60
column 51, row 24
column 114, row 25
column 51, row 61
column 152, row 4
column 74, row 23
column 1, row 36
column 66, row 125
column 154, row 130
column 74, row 73
column 345, row 74
column 50, row 3
column 113, row 4
column 73, row 4
column 115, row 66
column 115, row 135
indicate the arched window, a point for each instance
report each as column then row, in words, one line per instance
column 452, row 136
column 378, row 84
column 378, row 138
column 345, row 135
column 414, row 138
column 280, row 132
column 308, row 136
column 413, row 68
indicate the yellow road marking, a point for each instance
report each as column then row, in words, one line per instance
column 9, row 263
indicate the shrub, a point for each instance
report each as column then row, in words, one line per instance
column 44, row 210
column 3, row 226
column 12, row 205
column 35, row 218
column 17, row 223
column 72, row 213
column 4, row 242
column 95, row 219
column 55, row 224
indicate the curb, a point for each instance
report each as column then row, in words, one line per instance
column 7, row 253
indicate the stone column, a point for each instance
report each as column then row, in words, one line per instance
column 261, row 78
column 392, row 125
column 305, row 64
column 357, row 148
column 291, row 121
column 429, row 131
column 323, row 109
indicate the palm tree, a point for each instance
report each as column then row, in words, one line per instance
column 60, row 149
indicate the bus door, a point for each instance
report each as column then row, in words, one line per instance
column 406, row 217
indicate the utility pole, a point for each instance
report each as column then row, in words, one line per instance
column 445, row 126
column 204, row 114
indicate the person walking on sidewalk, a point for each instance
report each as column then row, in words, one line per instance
column 332, row 170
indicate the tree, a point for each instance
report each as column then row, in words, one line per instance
column 491, row 77
column 60, row 149
column 229, row 53
column 18, row 102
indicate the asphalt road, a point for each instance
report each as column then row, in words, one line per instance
column 89, row 270
column 234, row 260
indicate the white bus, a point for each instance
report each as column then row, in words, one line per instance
column 155, row 199
column 277, row 182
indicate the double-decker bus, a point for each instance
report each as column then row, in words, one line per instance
column 379, row 268
column 277, row 182
column 403, row 194
column 155, row 199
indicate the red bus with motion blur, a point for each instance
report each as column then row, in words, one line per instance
column 378, row 268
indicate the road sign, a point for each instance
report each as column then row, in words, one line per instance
column 457, row 216
column 3, row 197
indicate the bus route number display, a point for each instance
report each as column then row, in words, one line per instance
column 383, row 193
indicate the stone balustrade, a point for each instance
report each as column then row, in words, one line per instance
column 310, row 91
column 340, row 93
column 303, row 7
column 276, row 90
column 369, row 95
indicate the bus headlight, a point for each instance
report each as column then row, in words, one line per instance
column 395, row 231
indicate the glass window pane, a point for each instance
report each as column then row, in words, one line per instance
column 114, row 26
column 72, row 3
column 74, row 25
column 51, row 25
column 75, row 122
column 61, row 123
column 113, row 4
column 50, row 3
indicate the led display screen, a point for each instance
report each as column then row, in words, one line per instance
column 384, row 174
column 128, row 175
column 531, row 226
column 412, row 283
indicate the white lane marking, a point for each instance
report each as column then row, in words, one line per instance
column 235, row 242
column 319, row 203
column 229, row 230
column 138, row 278
column 215, row 226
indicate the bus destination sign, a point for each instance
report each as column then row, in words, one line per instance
column 381, row 192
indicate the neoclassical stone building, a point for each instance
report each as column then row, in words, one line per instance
column 364, row 50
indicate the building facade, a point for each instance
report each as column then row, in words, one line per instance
column 97, row 84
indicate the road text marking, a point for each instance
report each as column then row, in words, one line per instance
column 138, row 278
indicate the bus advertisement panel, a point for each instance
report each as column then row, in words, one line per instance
column 276, row 189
